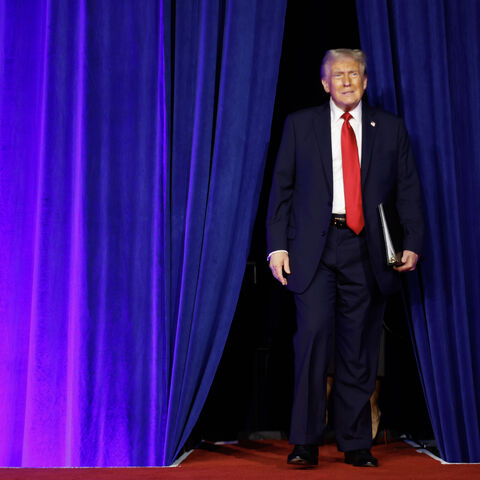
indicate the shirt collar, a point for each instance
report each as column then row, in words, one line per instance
column 336, row 113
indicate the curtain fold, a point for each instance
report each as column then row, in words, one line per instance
column 422, row 58
column 132, row 138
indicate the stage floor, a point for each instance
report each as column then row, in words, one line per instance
column 264, row 460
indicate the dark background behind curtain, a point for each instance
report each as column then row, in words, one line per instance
column 424, row 60
column 133, row 137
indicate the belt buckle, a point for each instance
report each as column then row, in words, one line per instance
column 339, row 222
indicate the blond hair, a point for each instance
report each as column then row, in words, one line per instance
column 338, row 53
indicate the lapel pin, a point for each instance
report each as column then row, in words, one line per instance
column 372, row 124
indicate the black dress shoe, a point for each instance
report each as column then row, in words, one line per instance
column 304, row 455
column 361, row 458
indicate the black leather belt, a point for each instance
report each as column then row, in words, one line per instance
column 338, row 220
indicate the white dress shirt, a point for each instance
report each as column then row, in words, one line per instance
column 336, row 124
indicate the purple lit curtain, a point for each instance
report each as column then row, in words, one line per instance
column 132, row 144
column 424, row 59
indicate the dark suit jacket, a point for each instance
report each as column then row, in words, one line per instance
column 300, row 203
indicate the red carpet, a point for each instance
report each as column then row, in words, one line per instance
column 266, row 460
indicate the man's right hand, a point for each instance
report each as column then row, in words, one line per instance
column 280, row 262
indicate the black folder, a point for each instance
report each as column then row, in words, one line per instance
column 391, row 237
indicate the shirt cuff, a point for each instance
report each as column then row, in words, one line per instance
column 275, row 251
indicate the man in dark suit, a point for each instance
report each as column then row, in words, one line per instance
column 335, row 165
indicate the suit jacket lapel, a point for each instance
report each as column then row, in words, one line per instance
column 368, row 139
column 322, row 128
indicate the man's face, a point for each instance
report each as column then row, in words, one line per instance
column 345, row 83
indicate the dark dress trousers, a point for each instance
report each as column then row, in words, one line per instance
column 339, row 279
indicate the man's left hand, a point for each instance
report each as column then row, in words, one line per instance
column 409, row 260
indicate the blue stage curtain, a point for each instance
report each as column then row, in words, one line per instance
column 424, row 62
column 132, row 139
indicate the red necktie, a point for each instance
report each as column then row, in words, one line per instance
column 351, row 177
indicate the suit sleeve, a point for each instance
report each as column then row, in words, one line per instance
column 281, row 193
column 409, row 202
